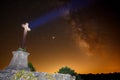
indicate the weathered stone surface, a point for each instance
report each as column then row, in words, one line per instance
column 19, row 60
column 56, row 76
column 8, row 74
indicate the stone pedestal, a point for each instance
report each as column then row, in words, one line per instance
column 19, row 60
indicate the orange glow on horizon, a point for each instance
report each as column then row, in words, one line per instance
column 89, row 65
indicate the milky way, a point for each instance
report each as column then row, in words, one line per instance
column 91, row 28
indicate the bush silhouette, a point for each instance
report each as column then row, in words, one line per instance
column 31, row 67
column 67, row 70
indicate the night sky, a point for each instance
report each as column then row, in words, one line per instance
column 86, row 39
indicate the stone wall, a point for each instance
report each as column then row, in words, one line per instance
column 55, row 76
column 8, row 75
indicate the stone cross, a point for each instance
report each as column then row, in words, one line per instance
column 26, row 29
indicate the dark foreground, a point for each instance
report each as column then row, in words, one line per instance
column 102, row 76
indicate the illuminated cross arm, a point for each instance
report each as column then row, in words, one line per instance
column 26, row 29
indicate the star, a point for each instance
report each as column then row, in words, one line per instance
column 53, row 37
